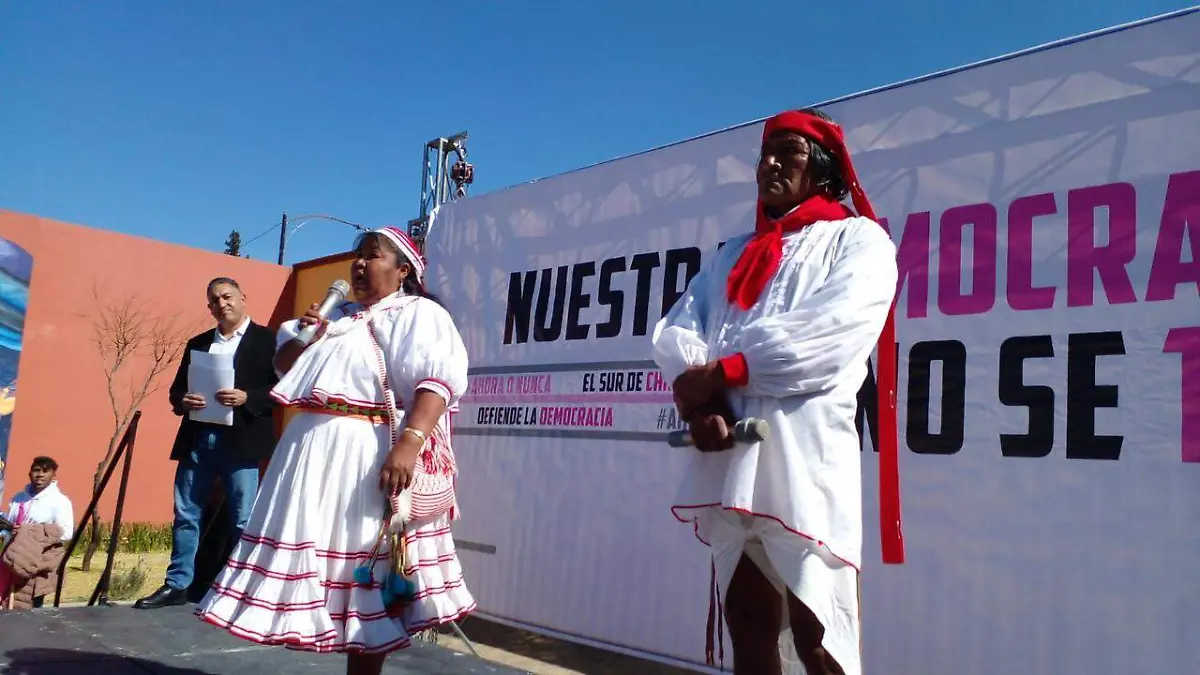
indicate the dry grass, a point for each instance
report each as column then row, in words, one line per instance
column 135, row 537
column 134, row 575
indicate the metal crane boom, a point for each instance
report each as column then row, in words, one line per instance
column 441, row 181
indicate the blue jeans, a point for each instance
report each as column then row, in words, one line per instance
column 193, row 481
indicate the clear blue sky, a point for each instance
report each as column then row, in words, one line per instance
column 184, row 120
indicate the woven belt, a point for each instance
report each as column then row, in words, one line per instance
column 340, row 410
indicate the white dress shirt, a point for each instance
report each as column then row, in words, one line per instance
column 50, row 506
column 228, row 345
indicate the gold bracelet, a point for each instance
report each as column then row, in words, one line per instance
column 416, row 432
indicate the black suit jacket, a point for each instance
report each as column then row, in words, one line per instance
column 252, row 435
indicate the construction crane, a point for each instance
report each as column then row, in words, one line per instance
column 441, row 181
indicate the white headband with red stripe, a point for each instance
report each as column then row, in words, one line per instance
column 407, row 247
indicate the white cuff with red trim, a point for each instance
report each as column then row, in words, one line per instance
column 438, row 387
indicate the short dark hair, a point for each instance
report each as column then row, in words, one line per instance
column 43, row 462
column 825, row 169
column 221, row 281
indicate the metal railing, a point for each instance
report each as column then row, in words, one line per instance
column 124, row 456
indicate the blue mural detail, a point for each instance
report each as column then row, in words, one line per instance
column 16, row 267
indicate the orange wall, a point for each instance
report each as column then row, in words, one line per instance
column 313, row 278
column 62, row 404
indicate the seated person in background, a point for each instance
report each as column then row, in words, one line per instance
column 41, row 516
column 41, row 501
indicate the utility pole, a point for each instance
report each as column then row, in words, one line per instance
column 282, row 237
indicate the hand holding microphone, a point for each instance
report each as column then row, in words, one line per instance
column 699, row 394
column 312, row 326
column 747, row 430
column 314, row 320
column 712, row 427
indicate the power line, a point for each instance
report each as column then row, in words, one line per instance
column 260, row 235
column 299, row 221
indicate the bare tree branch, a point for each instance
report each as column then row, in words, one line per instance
column 138, row 342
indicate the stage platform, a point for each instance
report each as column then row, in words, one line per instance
column 171, row 641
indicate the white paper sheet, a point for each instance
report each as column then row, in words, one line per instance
column 208, row 374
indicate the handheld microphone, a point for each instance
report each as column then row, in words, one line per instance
column 748, row 430
column 336, row 294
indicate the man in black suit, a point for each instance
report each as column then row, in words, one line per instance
column 206, row 452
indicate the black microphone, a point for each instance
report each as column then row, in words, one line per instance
column 336, row 295
column 748, row 430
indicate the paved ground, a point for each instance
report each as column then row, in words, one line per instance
column 519, row 649
column 124, row 641
column 543, row 655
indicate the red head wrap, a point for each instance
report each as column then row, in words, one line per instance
column 829, row 136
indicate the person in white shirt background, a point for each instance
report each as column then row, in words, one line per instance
column 41, row 501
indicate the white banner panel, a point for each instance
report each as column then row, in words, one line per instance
column 1047, row 211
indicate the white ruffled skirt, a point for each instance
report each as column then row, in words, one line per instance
column 290, row 579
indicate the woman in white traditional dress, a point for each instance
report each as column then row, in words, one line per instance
column 328, row 563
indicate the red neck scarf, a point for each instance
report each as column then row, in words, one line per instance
column 761, row 257
column 758, row 264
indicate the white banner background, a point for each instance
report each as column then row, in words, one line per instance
column 1039, row 565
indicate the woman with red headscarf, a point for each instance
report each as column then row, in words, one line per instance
column 779, row 325
column 348, row 548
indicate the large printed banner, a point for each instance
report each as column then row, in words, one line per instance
column 1046, row 210
column 624, row 401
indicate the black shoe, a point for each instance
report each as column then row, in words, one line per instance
column 165, row 596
